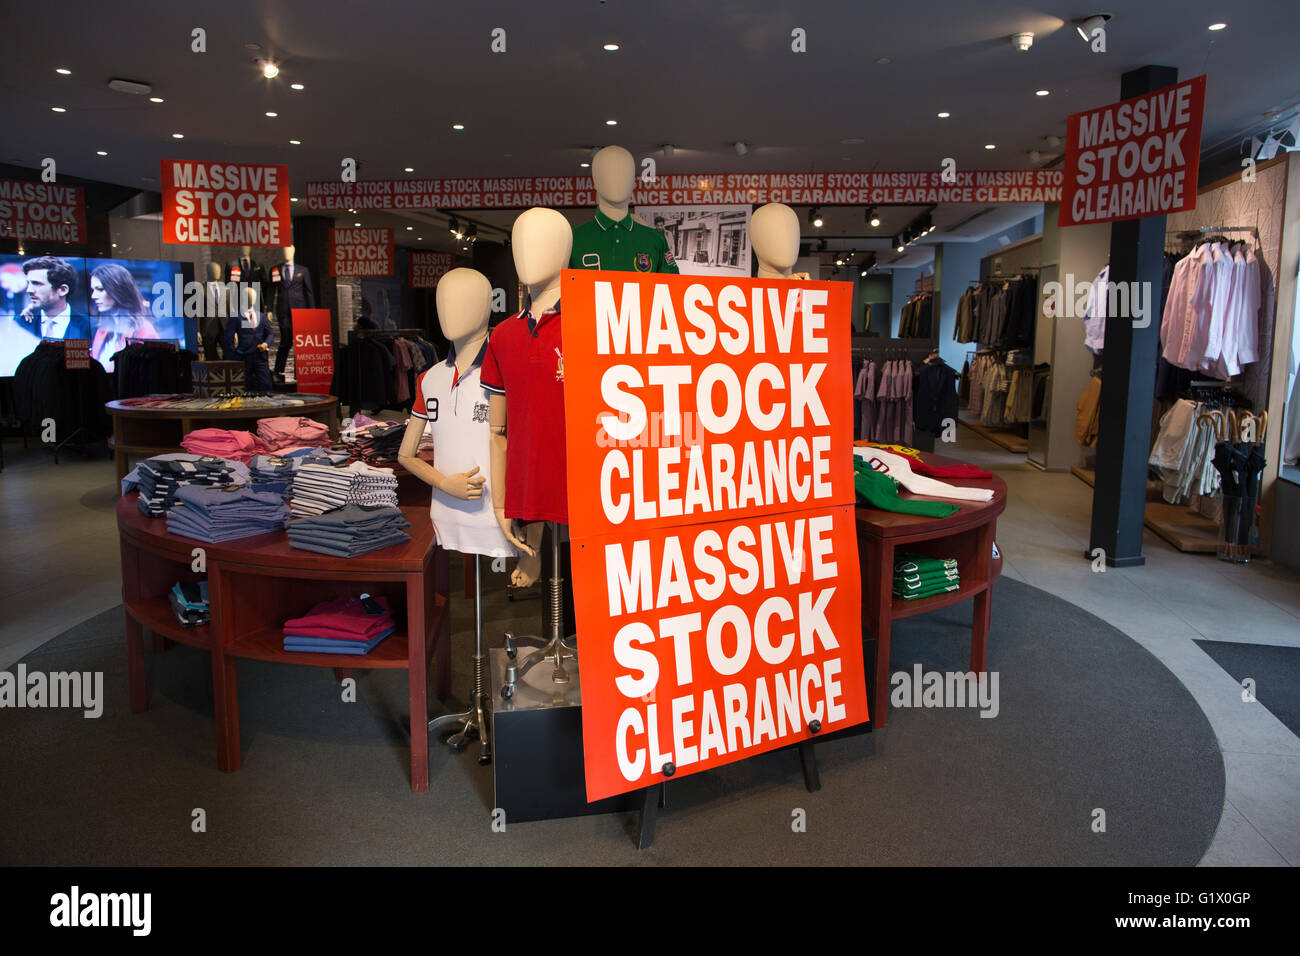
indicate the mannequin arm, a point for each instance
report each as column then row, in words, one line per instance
column 497, row 423
column 466, row 485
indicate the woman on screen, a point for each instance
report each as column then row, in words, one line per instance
column 121, row 313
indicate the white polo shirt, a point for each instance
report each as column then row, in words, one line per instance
column 456, row 408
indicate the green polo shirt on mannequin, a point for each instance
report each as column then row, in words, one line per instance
column 623, row 246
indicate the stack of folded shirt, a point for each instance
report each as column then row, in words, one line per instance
column 342, row 626
column 239, row 446
column 350, row 531
column 319, row 488
column 371, row 486
column 223, row 514
column 916, row 576
column 377, row 443
column 272, row 473
column 289, row 432
column 189, row 600
column 160, row 479
column 317, row 456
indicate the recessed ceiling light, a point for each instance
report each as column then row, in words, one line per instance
column 295, row 142
column 1042, row 92
column 272, row 113
column 155, row 99
column 270, row 70
column 1218, row 26
column 584, row 165
column 419, row 238
column 611, row 47
column 296, row 86
column 944, row 115
column 252, row 46
column 990, row 146
column 611, row 122
column 60, row 70
column 101, row 152
column 178, row 135
column 356, row 224
column 59, row 109
column 293, row 199
column 409, row 169
column 457, row 125
column 410, row 228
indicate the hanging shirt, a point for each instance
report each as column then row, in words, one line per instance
column 525, row 363
column 456, row 408
column 1094, row 315
column 622, row 246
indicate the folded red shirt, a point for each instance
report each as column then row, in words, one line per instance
column 343, row 618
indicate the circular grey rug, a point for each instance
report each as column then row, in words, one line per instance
column 1097, row 756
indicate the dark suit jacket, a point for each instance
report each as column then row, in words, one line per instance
column 295, row 294
column 256, row 275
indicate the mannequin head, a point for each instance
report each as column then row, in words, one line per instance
column 613, row 173
column 464, row 300
column 774, row 235
column 250, row 296
column 213, row 270
column 288, row 253
column 541, row 241
column 245, row 252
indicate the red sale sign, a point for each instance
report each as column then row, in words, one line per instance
column 229, row 204
column 42, row 212
column 313, row 350
column 1136, row 158
column 424, row 269
column 715, row 564
column 361, row 252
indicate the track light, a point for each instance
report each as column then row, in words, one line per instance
column 741, row 148
column 1090, row 25
column 471, row 233
column 898, row 243
column 815, row 217
column 1022, row 41
column 668, row 149
column 873, row 219
column 453, row 226
column 269, row 69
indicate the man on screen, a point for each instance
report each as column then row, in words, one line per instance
column 48, row 315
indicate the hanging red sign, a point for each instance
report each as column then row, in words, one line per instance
column 227, row 204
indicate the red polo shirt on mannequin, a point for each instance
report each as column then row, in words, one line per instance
column 525, row 363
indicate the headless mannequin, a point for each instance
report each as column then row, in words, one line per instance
column 613, row 173
column 541, row 241
column 774, row 236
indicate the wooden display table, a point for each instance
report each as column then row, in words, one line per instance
column 966, row 535
column 255, row 584
column 158, row 431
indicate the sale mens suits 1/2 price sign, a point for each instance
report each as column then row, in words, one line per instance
column 716, row 582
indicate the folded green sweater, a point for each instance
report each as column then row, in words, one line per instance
column 881, row 491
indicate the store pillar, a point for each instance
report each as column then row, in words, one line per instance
column 1128, row 373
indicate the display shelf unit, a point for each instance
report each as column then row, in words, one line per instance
column 967, row 535
column 257, row 583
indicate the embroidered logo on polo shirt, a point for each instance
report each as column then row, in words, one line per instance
column 480, row 412
column 642, row 262
column 668, row 258
column 559, row 366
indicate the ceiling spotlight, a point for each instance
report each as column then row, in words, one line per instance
column 155, row 99
column 293, row 199
column 272, row 113
column 585, row 165
column 296, row 86
column 295, row 142
column 453, row 226
column 408, row 169
column 269, row 69
column 100, row 152
column 815, row 217
column 944, row 115
column 1042, row 92
column 990, row 146
column 471, row 232
column 1090, row 25
column 458, row 126
column 410, row 228
column 1213, row 26
column 62, row 72
column 356, row 224
column 1022, row 41
column 839, row 260
column 668, row 149
column 611, row 122
column 873, row 218
column 741, row 148
column 610, row 47
column 898, row 244
column 178, row 135
column 59, row 109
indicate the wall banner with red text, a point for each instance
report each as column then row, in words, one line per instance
column 313, row 350
column 361, row 252
column 424, row 269
column 709, row 426
column 227, row 204
column 1136, row 158
column 914, row 187
column 42, row 212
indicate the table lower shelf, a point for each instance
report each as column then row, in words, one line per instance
column 393, row 652
column 157, row 616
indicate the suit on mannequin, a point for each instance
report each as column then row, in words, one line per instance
column 292, row 284
column 246, row 269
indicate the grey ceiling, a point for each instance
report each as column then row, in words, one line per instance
column 385, row 81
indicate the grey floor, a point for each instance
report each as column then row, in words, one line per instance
column 60, row 566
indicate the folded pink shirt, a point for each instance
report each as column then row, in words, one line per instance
column 291, row 430
column 224, row 443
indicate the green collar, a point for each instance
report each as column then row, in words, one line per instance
column 605, row 222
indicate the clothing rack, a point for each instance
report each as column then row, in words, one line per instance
column 357, row 336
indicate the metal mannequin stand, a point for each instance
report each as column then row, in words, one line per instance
column 555, row 650
column 472, row 720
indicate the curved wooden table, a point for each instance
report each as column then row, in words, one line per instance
column 158, row 431
column 967, row 535
column 257, row 583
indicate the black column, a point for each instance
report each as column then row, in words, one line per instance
column 1129, row 372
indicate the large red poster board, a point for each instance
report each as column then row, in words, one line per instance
column 361, row 251
column 716, row 582
column 424, row 269
column 313, row 350
column 42, row 212
column 228, row 204
column 1136, row 158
